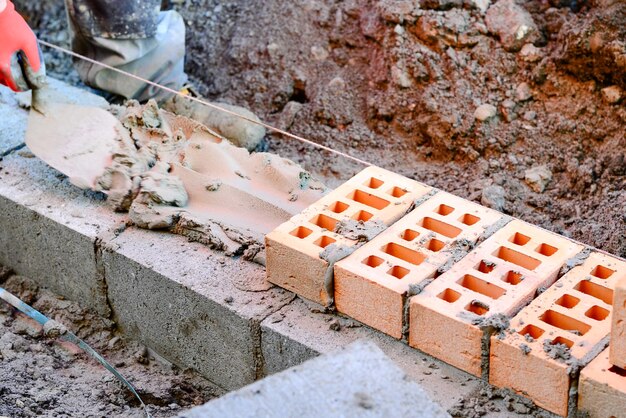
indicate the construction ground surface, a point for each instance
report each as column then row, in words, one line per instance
column 399, row 89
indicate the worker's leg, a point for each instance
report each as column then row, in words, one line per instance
column 134, row 36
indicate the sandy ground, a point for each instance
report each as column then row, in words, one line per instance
column 440, row 93
column 43, row 377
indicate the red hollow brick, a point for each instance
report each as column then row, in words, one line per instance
column 573, row 313
column 371, row 284
column 293, row 249
column 602, row 389
column 449, row 318
column 618, row 327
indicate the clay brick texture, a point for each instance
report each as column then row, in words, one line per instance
column 293, row 249
column 451, row 318
column 371, row 284
column 562, row 329
column 602, row 389
column 618, row 328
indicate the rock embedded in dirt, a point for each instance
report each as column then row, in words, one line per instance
column 538, row 178
column 523, row 93
column 530, row 53
column 612, row 94
column 493, row 197
column 485, row 112
column 513, row 24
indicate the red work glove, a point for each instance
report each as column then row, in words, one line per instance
column 21, row 62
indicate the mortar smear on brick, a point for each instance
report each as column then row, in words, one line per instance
column 453, row 317
column 559, row 332
column 293, row 249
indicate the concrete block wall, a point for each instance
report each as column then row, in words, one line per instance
column 559, row 332
column 371, row 285
column 452, row 318
column 293, row 249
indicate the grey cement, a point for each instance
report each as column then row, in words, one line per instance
column 358, row 381
column 12, row 122
column 181, row 299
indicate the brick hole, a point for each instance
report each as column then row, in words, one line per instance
column 404, row 253
column 373, row 261
column 324, row 241
column 597, row 312
column 602, row 272
column 409, row 235
column 480, row 286
column 564, row 341
column 547, row 250
column 440, row 227
column 362, row 216
column 468, row 219
column 485, row 267
column 373, row 183
column 397, row 192
column 324, row 222
column 368, row 199
column 567, row 301
column 301, row 232
column 435, row 245
column 513, row 277
column 398, row 272
column 618, row 371
column 477, row 307
column 564, row 322
column 449, row 295
column 532, row 330
column 519, row 239
column 599, row 292
column 518, row 258
column 338, row 207
column 444, row 210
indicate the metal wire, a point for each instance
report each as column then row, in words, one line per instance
column 211, row 105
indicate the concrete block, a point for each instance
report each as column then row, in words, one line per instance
column 191, row 305
column 618, row 326
column 297, row 333
column 602, row 389
column 371, row 285
column 452, row 318
column 293, row 249
column 562, row 330
column 51, row 230
column 358, row 381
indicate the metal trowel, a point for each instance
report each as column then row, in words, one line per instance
column 76, row 139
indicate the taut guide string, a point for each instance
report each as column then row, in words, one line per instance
column 205, row 103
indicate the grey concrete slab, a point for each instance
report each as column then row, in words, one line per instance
column 195, row 307
column 297, row 332
column 51, row 230
column 358, row 381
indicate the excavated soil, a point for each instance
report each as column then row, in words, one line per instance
column 43, row 377
column 437, row 90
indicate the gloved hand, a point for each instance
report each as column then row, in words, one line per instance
column 21, row 62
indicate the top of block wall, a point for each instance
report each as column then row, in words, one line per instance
column 574, row 311
column 412, row 249
column 372, row 194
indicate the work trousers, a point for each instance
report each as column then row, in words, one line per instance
column 134, row 36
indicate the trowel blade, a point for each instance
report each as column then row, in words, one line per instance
column 76, row 140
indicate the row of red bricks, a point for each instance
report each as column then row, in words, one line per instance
column 467, row 285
